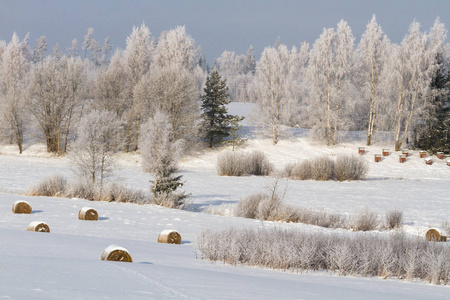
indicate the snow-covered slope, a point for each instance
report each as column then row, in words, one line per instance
column 65, row 264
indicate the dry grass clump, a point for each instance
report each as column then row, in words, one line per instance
column 38, row 226
column 324, row 168
column 116, row 253
column 396, row 256
column 365, row 220
column 88, row 214
column 238, row 163
column 394, row 218
column 21, row 207
column 169, row 236
column 53, row 186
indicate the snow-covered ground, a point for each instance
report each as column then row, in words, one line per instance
column 65, row 264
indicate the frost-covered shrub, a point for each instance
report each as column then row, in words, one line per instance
column 231, row 164
column 57, row 186
column 270, row 207
column 394, row 218
column 299, row 170
column 322, row 168
column 235, row 163
column 170, row 200
column 365, row 220
column 114, row 192
column 397, row 255
column 350, row 167
column 257, row 163
column 53, row 186
column 248, row 207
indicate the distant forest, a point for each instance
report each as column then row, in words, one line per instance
column 329, row 87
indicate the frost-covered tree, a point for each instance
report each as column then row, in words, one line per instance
column 14, row 68
column 160, row 155
column 106, row 52
column 249, row 62
column 173, row 91
column 73, row 50
column 372, row 56
column 109, row 88
column 98, row 137
column 39, row 49
column 271, row 86
column 137, row 58
column 411, row 69
column 56, row 93
column 88, row 41
column 176, row 47
column 329, row 80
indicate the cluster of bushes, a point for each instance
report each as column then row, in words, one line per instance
column 346, row 167
column 270, row 207
column 395, row 255
column 58, row 186
column 238, row 163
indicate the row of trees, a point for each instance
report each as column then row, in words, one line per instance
column 330, row 86
column 336, row 85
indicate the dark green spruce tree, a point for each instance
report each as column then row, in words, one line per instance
column 433, row 134
column 216, row 120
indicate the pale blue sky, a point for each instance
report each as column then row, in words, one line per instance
column 215, row 25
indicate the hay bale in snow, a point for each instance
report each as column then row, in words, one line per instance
column 88, row 214
column 434, row 235
column 38, row 226
column 21, row 207
column 116, row 253
column 169, row 236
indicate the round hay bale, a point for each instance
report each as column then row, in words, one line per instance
column 116, row 253
column 169, row 237
column 88, row 214
column 38, row 226
column 434, row 235
column 21, row 207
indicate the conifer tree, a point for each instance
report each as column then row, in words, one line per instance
column 216, row 120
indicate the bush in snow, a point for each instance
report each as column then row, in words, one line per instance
column 322, row 168
column 231, row 163
column 53, row 186
column 270, row 207
column 365, row 220
column 257, row 163
column 57, row 186
column 299, row 170
column 394, row 218
column 235, row 163
column 397, row 255
column 350, row 167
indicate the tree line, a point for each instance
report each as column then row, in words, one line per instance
column 329, row 86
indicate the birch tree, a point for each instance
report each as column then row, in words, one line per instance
column 410, row 72
column 270, row 86
column 137, row 58
column 372, row 56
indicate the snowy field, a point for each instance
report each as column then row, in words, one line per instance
column 65, row 264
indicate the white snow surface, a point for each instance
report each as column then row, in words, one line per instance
column 65, row 264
